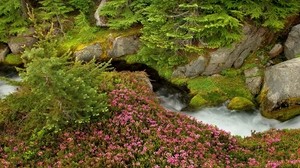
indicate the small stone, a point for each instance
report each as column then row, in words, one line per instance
column 19, row 43
column 193, row 69
column 88, row 53
column 124, row 46
column 4, row 50
column 254, row 84
column 251, row 72
column 253, row 80
column 276, row 50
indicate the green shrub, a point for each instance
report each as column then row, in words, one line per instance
column 60, row 93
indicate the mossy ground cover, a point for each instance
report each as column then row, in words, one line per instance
column 217, row 89
column 140, row 133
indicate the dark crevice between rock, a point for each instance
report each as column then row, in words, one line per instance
column 158, row 83
column 8, row 71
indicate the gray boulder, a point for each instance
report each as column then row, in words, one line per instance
column 192, row 69
column 280, row 95
column 292, row 44
column 88, row 53
column 235, row 55
column 124, row 46
column 19, row 43
column 253, row 80
column 4, row 50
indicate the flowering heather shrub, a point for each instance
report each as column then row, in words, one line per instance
column 141, row 133
column 274, row 148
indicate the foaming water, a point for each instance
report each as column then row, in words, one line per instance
column 236, row 122
column 6, row 89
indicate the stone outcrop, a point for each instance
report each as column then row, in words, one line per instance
column 253, row 80
column 4, row 50
column 18, row 44
column 124, row 45
column 292, row 44
column 280, row 96
column 224, row 58
column 88, row 53
column 194, row 68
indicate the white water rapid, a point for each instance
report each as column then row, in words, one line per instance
column 237, row 123
column 6, row 89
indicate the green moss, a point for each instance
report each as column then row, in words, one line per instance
column 12, row 59
column 197, row 101
column 240, row 104
column 179, row 81
column 217, row 89
column 231, row 72
column 19, row 39
column 283, row 114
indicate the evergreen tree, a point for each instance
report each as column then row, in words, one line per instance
column 82, row 5
column 54, row 11
column 12, row 20
column 67, row 93
column 123, row 13
column 270, row 13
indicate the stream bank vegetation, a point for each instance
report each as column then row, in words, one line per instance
column 73, row 114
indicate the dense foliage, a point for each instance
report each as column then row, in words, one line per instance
column 180, row 28
column 192, row 25
column 15, row 14
column 140, row 133
column 12, row 20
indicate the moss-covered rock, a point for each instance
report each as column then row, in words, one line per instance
column 240, row 104
column 13, row 59
column 280, row 97
column 197, row 101
column 216, row 90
